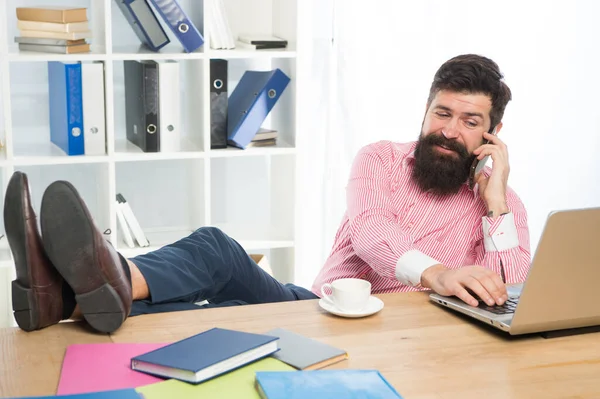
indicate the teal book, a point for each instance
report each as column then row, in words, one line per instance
column 114, row 394
column 322, row 384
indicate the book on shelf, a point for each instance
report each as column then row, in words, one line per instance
column 260, row 42
column 131, row 222
column 206, row 355
column 248, row 46
column 257, row 39
column 123, row 227
column 221, row 37
column 70, row 49
column 53, row 26
column 56, row 14
column 262, row 143
column 265, row 134
column 56, row 35
column 48, row 41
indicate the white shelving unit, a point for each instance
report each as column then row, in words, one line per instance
column 250, row 194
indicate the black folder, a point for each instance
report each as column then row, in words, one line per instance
column 141, row 104
column 218, row 104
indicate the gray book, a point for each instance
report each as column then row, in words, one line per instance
column 304, row 353
column 47, row 41
column 81, row 48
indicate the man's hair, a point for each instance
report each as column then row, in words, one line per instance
column 474, row 74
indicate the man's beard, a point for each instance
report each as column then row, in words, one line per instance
column 440, row 173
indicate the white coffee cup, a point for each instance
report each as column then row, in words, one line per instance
column 348, row 294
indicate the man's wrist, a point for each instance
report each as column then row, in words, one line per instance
column 495, row 209
column 430, row 274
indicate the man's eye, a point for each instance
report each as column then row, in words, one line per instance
column 471, row 123
column 442, row 114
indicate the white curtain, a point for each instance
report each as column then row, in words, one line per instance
column 370, row 82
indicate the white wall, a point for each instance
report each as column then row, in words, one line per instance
column 387, row 53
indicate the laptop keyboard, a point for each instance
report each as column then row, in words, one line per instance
column 506, row 308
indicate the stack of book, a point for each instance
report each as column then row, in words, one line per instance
column 264, row 138
column 51, row 29
column 261, row 42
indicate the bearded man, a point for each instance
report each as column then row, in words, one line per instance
column 415, row 220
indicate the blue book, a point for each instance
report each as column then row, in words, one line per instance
column 115, row 394
column 205, row 355
column 144, row 23
column 322, row 384
column 183, row 28
column 250, row 102
column 66, row 106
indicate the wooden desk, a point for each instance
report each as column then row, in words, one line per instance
column 423, row 350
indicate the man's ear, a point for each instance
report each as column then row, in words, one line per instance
column 498, row 128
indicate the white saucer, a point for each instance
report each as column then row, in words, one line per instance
column 373, row 306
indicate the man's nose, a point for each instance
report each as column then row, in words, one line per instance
column 450, row 131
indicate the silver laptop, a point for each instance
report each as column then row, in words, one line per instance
column 562, row 289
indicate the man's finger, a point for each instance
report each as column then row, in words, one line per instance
column 493, row 285
column 463, row 294
column 473, row 284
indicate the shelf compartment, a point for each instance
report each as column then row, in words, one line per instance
column 31, row 118
column 90, row 180
column 166, row 196
column 97, row 22
column 252, row 199
column 191, row 74
column 283, row 115
column 126, row 44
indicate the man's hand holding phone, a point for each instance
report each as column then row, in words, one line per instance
column 492, row 189
column 465, row 282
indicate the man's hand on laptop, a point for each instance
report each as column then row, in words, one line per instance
column 484, row 283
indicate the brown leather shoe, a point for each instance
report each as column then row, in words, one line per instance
column 84, row 258
column 37, row 293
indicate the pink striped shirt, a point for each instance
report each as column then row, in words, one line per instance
column 392, row 230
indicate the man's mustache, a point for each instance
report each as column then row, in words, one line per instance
column 435, row 139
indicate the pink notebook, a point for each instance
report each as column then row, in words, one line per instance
column 101, row 367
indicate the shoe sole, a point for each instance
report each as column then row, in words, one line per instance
column 26, row 309
column 68, row 235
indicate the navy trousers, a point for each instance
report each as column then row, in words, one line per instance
column 207, row 265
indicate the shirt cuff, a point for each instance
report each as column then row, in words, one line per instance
column 411, row 265
column 500, row 234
